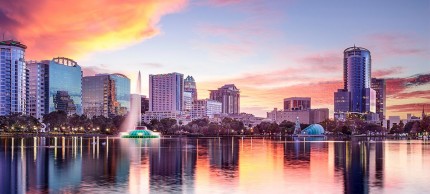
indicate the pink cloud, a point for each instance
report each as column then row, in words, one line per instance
column 389, row 45
column 415, row 94
column 410, row 108
column 387, row 72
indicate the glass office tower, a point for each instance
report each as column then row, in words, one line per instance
column 13, row 78
column 106, row 94
column 356, row 77
column 357, row 96
column 65, row 86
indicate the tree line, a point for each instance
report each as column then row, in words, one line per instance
column 59, row 121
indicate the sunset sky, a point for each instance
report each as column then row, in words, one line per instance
column 269, row 49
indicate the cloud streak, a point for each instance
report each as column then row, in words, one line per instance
column 74, row 28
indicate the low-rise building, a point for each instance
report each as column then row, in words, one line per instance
column 310, row 116
column 205, row 109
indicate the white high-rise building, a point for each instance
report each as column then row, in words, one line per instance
column 38, row 88
column 166, row 92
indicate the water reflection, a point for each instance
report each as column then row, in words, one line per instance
column 234, row 165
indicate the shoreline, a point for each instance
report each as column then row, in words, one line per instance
column 212, row 136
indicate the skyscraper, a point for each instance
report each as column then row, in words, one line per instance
column 357, row 83
column 38, row 104
column 190, row 86
column 106, row 95
column 65, row 78
column 166, row 92
column 380, row 87
column 13, row 78
column 229, row 96
column 57, row 85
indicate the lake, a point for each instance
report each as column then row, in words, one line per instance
column 213, row 165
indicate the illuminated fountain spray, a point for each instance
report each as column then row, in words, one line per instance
column 134, row 116
column 131, row 127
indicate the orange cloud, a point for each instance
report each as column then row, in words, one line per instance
column 74, row 28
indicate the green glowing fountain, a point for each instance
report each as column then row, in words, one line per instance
column 140, row 132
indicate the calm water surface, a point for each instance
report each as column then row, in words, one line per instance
column 212, row 165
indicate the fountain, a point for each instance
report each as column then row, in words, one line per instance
column 140, row 132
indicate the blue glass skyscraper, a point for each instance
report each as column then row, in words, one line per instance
column 357, row 95
column 13, row 78
column 65, row 86
column 356, row 76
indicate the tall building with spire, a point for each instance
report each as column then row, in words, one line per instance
column 357, row 96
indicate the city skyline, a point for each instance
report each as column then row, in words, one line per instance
column 270, row 50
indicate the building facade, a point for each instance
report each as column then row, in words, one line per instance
column 190, row 86
column 144, row 104
column 357, row 84
column 188, row 101
column 38, row 104
column 205, row 108
column 229, row 96
column 13, row 78
column 166, row 92
column 54, row 85
column 297, row 103
column 310, row 116
column 106, row 95
column 379, row 86
column 65, row 86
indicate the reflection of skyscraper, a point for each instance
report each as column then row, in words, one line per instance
column 105, row 94
column 297, row 152
column 13, row 78
column 224, row 154
column 63, row 102
column 353, row 159
column 166, row 165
